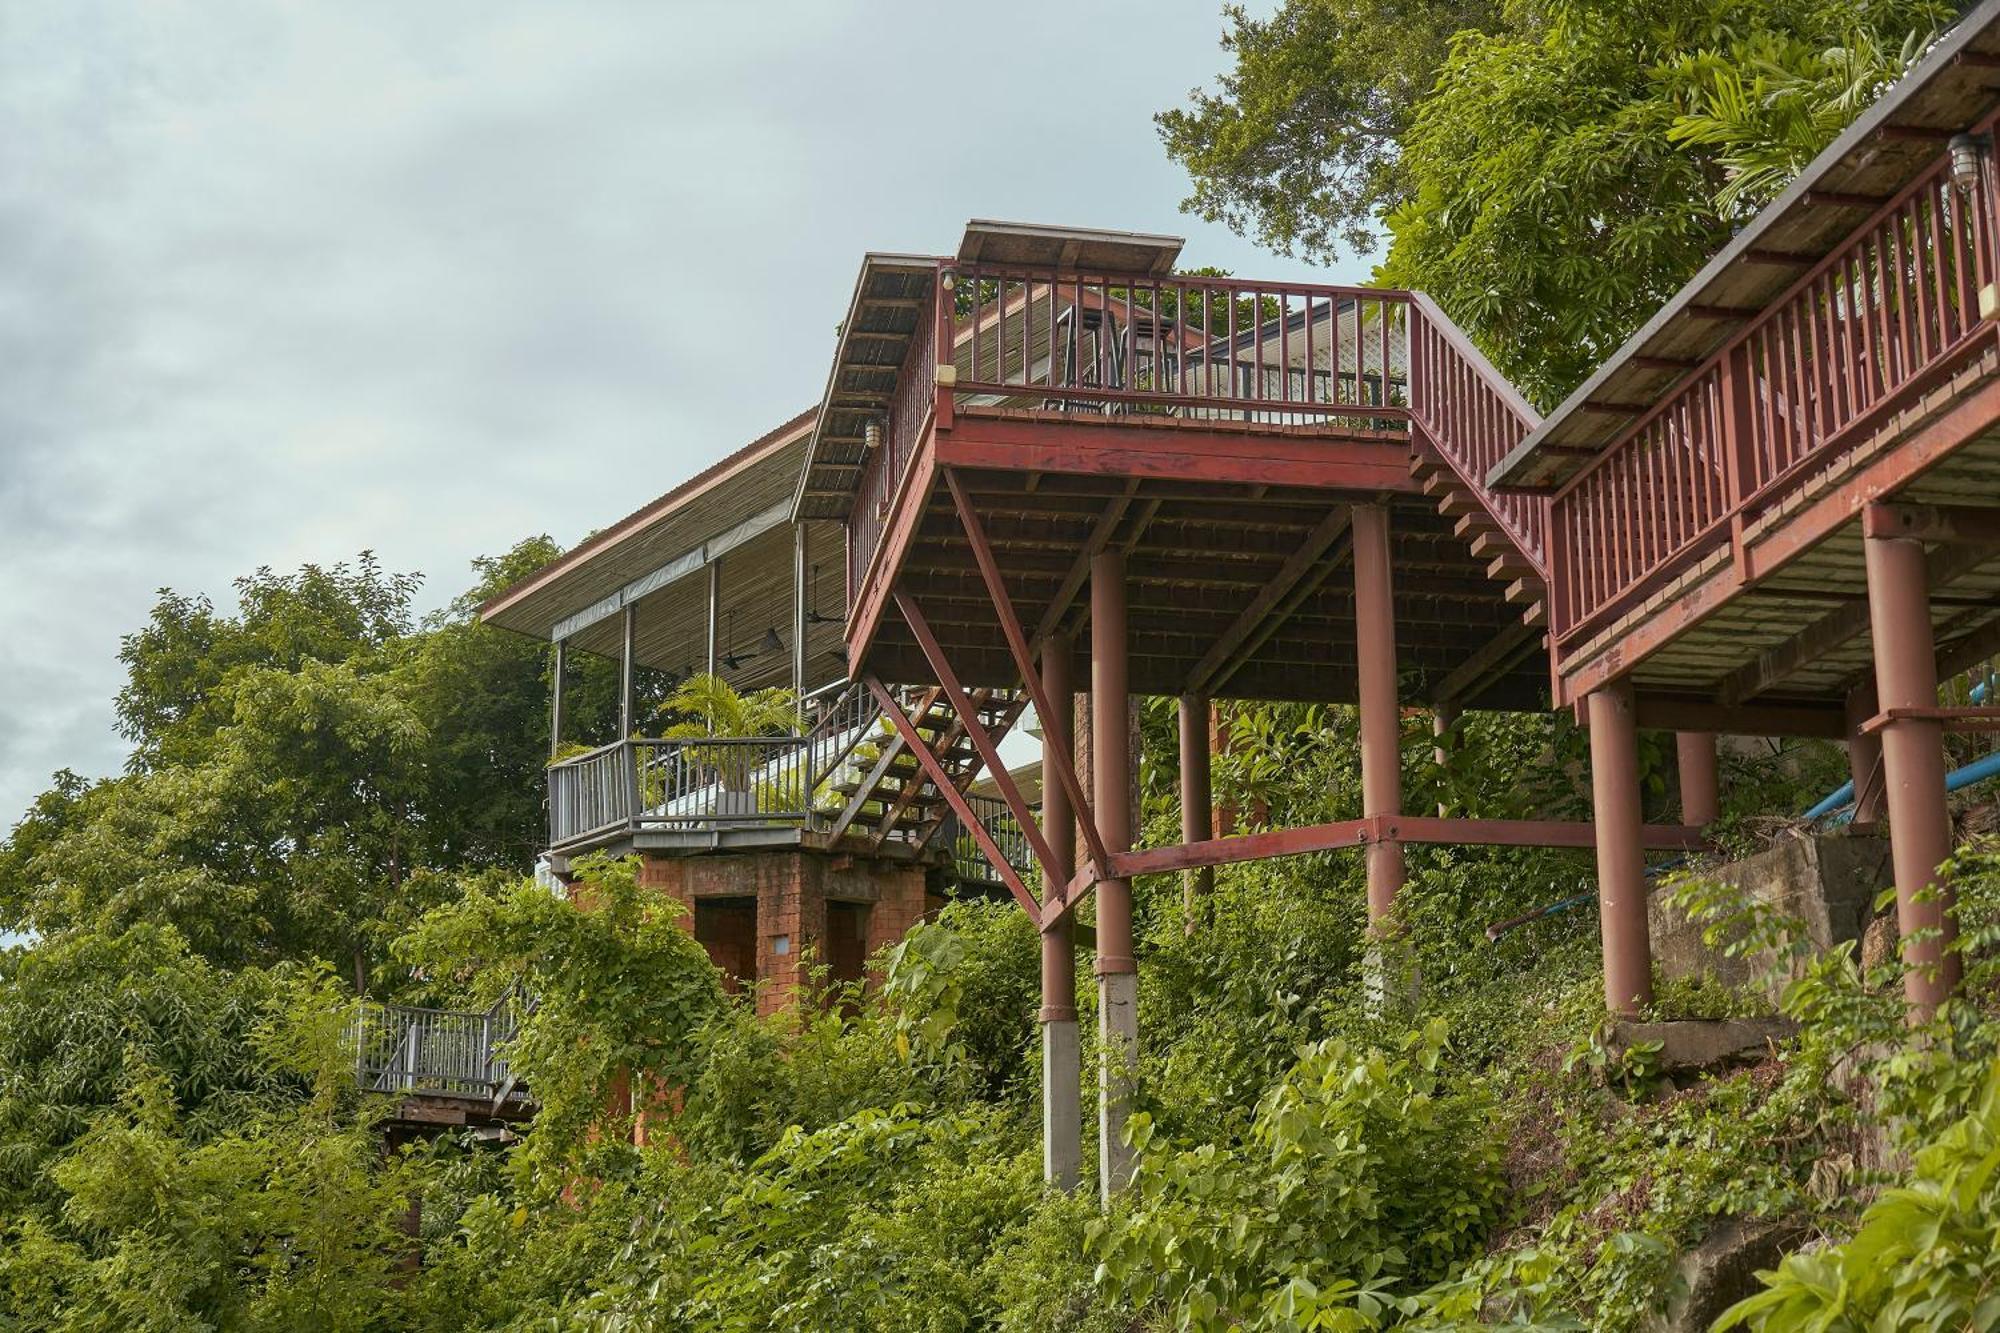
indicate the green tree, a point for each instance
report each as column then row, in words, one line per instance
column 1557, row 169
column 1298, row 145
column 306, row 771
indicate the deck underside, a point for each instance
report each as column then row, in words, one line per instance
column 1240, row 583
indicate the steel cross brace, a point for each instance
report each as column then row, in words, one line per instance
column 954, row 797
column 975, row 730
column 1024, row 662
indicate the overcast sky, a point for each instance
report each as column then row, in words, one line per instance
column 281, row 282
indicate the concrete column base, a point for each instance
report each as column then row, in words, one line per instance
column 1117, row 1070
column 1062, row 1104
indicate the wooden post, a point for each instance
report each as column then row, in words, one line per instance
column 1899, row 619
column 1701, row 800
column 801, row 595
column 1111, row 795
column 1621, row 860
column 1197, row 803
column 1062, row 1059
column 628, row 644
column 714, row 615
column 1381, row 722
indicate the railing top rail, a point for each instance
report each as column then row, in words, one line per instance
column 1469, row 351
column 1168, row 281
column 570, row 760
column 395, row 1010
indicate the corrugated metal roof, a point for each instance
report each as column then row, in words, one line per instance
column 1886, row 148
column 891, row 294
column 744, row 494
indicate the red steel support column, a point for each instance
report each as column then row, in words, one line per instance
column 1864, row 756
column 1197, row 797
column 1062, row 1068
column 1381, row 722
column 1701, row 801
column 1111, row 794
column 1899, row 617
column 1621, row 862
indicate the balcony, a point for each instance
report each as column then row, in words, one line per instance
column 438, row 1055
column 745, row 791
column 711, row 785
column 1078, row 390
column 1863, row 333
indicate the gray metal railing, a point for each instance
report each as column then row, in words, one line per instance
column 445, row 1052
column 968, row 863
column 710, row 782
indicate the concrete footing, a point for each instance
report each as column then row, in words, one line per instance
column 1062, row 1104
column 1118, row 1069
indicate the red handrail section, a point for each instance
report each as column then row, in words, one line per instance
column 1196, row 348
column 1473, row 417
column 1864, row 329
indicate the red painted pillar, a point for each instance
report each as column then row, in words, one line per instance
column 1899, row 616
column 1864, row 756
column 1381, row 723
column 1701, row 800
column 1111, row 795
column 1621, row 862
column 1197, row 798
column 1062, row 1068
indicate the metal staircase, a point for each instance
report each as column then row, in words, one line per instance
column 888, row 796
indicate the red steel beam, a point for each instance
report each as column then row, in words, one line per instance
column 1024, row 662
column 1180, row 454
column 1358, row 834
column 1951, row 719
column 1972, row 524
column 955, row 798
column 975, row 730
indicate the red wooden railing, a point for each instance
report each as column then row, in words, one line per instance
column 1865, row 329
column 1473, row 417
column 886, row 466
column 1192, row 347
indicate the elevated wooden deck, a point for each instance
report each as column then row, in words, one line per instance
column 1215, row 432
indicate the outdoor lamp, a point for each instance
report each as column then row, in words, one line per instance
column 1966, row 151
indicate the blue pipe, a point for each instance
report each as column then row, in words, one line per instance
column 1838, row 797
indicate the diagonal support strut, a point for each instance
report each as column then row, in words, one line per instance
column 955, row 798
column 975, row 730
column 1024, row 662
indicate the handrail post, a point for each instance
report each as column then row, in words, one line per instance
column 1738, row 467
column 633, row 805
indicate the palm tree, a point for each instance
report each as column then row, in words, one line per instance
column 710, row 708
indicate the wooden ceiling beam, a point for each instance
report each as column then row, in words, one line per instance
column 1268, row 605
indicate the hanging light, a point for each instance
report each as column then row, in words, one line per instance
column 1967, row 152
column 771, row 643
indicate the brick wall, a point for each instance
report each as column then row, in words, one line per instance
column 791, row 890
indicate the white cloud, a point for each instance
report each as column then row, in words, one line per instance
column 290, row 280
